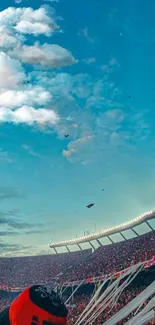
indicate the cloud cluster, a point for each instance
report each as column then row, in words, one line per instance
column 46, row 55
column 28, row 21
column 47, row 98
column 11, row 72
column 76, row 145
column 21, row 100
column 16, row 98
column 18, row 105
column 7, row 40
column 90, row 108
column 28, row 115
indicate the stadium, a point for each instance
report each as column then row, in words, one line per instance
column 112, row 284
column 77, row 162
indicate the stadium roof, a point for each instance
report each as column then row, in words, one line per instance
column 129, row 225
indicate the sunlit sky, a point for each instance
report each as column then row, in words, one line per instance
column 87, row 71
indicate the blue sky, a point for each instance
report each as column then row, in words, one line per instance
column 86, row 71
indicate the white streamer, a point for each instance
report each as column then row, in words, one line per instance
column 108, row 296
column 74, row 292
column 116, row 295
column 124, row 312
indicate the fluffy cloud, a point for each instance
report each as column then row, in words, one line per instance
column 11, row 72
column 22, row 101
column 7, row 40
column 76, row 145
column 35, row 28
column 53, row 56
column 28, row 21
column 17, row 98
column 29, row 115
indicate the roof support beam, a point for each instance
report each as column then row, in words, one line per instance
column 79, row 246
column 123, row 235
column 110, row 240
column 149, row 225
column 92, row 245
column 67, row 248
column 55, row 250
column 98, row 241
column 136, row 233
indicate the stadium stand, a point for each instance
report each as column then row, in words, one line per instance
column 83, row 296
column 112, row 258
column 24, row 271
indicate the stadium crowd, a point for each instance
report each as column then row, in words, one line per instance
column 112, row 258
column 79, row 303
column 24, row 271
column 5, row 300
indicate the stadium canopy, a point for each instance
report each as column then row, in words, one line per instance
column 129, row 225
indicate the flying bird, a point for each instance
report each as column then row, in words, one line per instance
column 90, row 205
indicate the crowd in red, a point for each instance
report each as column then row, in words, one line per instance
column 112, row 258
column 24, row 271
column 79, row 303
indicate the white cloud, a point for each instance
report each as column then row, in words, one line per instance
column 35, row 28
column 28, row 20
column 53, row 56
column 17, row 98
column 75, row 146
column 21, row 101
column 11, row 72
column 29, row 115
column 7, row 40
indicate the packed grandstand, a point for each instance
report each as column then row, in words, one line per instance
column 79, row 275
